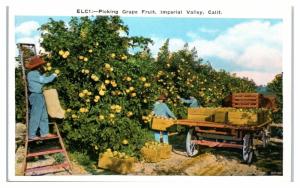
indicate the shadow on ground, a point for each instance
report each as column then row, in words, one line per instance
column 268, row 160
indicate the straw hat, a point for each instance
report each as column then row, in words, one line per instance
column 161, row 97
column 34, row 62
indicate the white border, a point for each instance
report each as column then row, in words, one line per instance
column 253, row 9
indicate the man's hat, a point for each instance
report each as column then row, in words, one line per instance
column 161, row 97
column 34, row 62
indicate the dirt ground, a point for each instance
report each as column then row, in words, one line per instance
column 209, row 162
column 216, row 162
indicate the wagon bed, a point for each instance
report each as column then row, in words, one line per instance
column 214, row 134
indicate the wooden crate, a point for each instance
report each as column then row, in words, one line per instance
column 245, row 118
column 165, row 151
column 162, row 124
column 151, row 155
column 246, row 100
column 221, row 117
column 122, row 166
column 221, row 114
column 156, row 153
column 201, row 114
column 201, row 117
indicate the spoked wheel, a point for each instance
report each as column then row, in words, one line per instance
column 265, row 138
column 247, row 149
column 192, row 149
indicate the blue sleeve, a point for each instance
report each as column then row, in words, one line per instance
column 169, row 112
column 46, row 79
column 186, row 100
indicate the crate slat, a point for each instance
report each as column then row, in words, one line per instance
column 246, row 100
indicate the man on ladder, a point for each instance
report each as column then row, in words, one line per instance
column 38, row 112
column 39, row 116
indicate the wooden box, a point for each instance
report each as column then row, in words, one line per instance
column 246, row 100
column 162, row 124
column 165, row 151
column 244, row 118
column 122, row 166
column 221, row 117
column 201, row 114
column 151, row 155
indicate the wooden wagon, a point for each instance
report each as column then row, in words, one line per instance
column 222, row 135
column 234, row 132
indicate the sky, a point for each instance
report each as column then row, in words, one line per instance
column 248, row 47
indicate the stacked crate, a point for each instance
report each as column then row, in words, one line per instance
column 245, row 118
column 201, row 114
column 245, row 110
column 221, row 114
column 246, row 100
column 243, row 101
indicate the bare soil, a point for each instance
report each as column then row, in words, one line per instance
column 209, row 162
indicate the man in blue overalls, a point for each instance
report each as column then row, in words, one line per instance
column 162, row 110
column 192, row 102
column 38, row 112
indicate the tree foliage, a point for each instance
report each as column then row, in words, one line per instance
column 275, row 86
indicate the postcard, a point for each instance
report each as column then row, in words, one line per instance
column 114, row 92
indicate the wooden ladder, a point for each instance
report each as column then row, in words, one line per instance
column 54, row 145
column 31, row 151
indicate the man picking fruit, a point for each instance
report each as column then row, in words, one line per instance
column 192, row 102
column 38, row 112
column 162, row 110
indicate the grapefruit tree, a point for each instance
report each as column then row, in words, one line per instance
column 106, row 92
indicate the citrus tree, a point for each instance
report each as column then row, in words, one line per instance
column 275, row 86
column 183, row 74
column 106, row 92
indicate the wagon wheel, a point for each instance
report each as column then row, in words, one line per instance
column 247, row 148
column 265, row 138
column 192, row 149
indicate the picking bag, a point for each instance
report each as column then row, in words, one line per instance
column 53, row 105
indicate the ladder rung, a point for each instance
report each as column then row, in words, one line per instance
column 46, row 138
column 45, row 152
column 53, row 168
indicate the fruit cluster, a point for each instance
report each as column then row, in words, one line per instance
column 116, row 154
column 153, row 145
